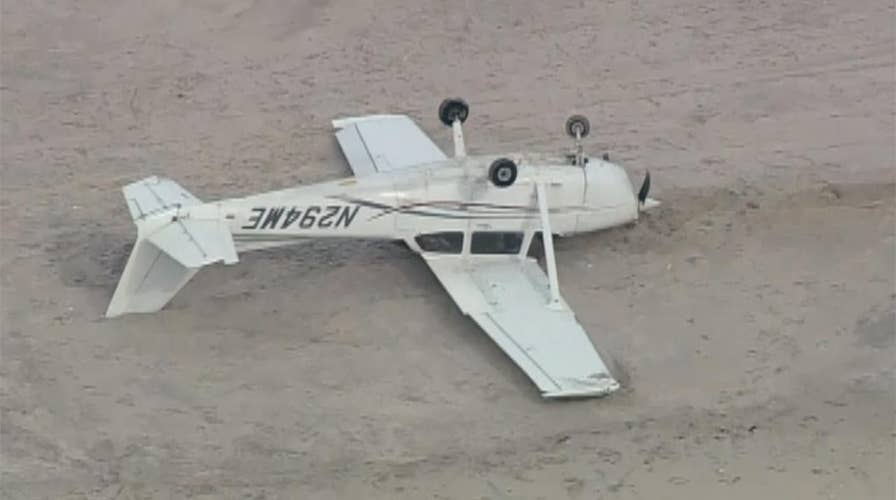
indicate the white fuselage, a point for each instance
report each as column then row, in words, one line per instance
column 450, row 196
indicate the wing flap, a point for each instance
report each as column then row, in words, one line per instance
column 509, row 299
column 382, row 143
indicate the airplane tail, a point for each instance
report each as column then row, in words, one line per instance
column 176, row 235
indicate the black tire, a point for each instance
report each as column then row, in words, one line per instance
column 502, row 172
column 452, row 109
column 577, row 122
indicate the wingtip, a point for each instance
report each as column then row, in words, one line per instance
column 604, row 387
column 341, row 123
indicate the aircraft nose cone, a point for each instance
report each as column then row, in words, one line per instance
column 608, row 185
column 609, row 196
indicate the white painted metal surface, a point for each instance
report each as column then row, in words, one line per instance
column 548, row 238
column 508, row 297
column 460, row 149
column 381, row 143
column 155, row 194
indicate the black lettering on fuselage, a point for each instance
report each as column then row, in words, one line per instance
column 254, row 219
column 330, row 216
column 310, row 217
column 327, row 220
column 270, row 222
column 291, row 216
column 347, row 216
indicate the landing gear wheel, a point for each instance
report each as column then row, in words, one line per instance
column 502, row 172
column 452, row 109
column 577, row 123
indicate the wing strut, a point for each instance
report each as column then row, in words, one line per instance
column 548, row 237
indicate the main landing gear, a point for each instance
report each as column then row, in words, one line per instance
column 502, row 172
column 453, row 112
column 453, row 109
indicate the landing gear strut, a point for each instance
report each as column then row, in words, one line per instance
column 453, row 112
column 577, row 126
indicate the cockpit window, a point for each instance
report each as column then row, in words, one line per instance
column 443, row 242
column 494, row 242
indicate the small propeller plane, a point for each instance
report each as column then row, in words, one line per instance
column 471, row 218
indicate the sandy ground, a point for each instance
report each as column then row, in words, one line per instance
column 751, row 319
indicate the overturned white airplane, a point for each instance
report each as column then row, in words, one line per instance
column 472, row 219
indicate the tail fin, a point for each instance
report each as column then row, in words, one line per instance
column 176, row 235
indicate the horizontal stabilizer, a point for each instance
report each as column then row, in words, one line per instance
column 196, row 242
column 156, row 194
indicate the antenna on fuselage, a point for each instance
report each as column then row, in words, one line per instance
column 453, row 112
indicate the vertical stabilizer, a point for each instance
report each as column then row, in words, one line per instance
column 176, row 235
column 150, row 279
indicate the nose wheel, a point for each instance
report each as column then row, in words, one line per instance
column 577, row 126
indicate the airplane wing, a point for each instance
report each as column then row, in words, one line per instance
column 510, row 298
column 381, row 143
